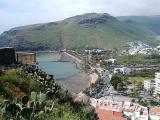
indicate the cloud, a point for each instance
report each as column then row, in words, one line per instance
column 127, row 7
column 22, row 12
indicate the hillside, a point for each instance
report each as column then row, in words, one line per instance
column 91, row 30
column 150, row 22
column 48, row 101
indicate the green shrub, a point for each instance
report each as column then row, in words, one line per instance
column 24, row 86
column 117, row 81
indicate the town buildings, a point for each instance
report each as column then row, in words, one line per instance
column 148, row 85
column 25, row 58
column 108, row 109
column 157, row 84
column 123, row 110
column 153, row 84
column 7, row 56
column 123, row 70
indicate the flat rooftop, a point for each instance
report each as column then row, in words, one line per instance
column 25, row 53
column 6, row 47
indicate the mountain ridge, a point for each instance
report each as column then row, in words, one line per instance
column 151, row 22
column 91, row 29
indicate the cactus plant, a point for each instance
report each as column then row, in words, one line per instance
column 33, row 96
column 42, row 97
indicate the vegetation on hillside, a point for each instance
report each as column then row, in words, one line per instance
column 150, row 22
column 88, row 30
column 19, row 82
column 136, row 77
column 138, row 59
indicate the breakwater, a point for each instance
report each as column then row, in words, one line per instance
column 69, row 57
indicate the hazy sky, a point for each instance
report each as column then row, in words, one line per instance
column 22, row 12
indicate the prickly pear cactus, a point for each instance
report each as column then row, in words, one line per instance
column 33, row 96
column 42, row 97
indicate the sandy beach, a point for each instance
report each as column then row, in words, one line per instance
column 75, row 84
column 93, row 77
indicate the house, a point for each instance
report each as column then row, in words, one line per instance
column 147, row 85
column 25, row 58
column 107, row 109
column 7, row 56
column 112, row 61
column 105, row 114
column 158, row 48
column 154, row 113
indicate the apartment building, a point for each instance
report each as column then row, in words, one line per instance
column 157, row 84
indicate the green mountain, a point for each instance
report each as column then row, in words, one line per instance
column 150, row 22
column 88, row 30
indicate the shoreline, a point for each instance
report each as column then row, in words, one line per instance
column 75, row 83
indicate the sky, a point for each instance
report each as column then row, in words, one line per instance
column 15, row 13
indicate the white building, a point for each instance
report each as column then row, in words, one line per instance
column 147, row 85
column 123, row 70
column 112, row 61
column 158, row 48
column 157, row 83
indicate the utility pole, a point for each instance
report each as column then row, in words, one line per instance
column 148, row 107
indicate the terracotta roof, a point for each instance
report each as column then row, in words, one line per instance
column 104, row 114
column 154, row 110
column 128, row 110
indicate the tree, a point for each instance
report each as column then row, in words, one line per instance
column 117, row 79
column 144, row 103
column 135, row 93
column 120, row 86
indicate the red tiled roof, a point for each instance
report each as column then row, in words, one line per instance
column 104, row 114
column 154, row 110
column 128, row 110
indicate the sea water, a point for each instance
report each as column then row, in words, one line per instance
column 48, row 62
